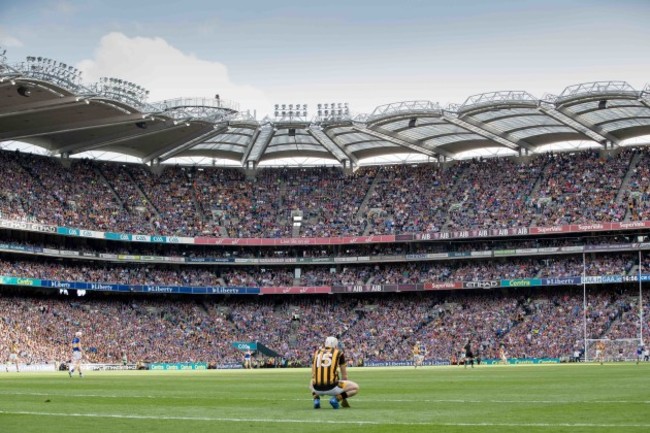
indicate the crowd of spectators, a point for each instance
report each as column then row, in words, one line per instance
column 582, row 189
column 411, row 198
column 539, row 323
column 313, row 275
column 637, row 194
column 494, row 194
column 541, row 190
column 170, row 192
column 141, row 212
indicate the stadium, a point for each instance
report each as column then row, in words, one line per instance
column 517, row 223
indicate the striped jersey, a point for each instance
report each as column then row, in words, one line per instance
column 324, row 368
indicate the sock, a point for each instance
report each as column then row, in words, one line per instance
column 342, row 396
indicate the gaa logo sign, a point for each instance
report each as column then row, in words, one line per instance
column 489, row 284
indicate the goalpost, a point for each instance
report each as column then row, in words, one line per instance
column 621, row 349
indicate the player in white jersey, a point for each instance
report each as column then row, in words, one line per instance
column 14, row 353
column 419, row 352
column 502, row 355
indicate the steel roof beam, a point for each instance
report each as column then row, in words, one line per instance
column 258, row 145
column 40, row 106
column 591, row 131
column 174, row 149
column 329, row 143
column 523, row 128
column 605, row 122
column 510, row 116
column 448, row 134
column 595, row 108
column 481, row 130
column 645, row 102
column 390, row 136
column 98, row 144
column 75, row 127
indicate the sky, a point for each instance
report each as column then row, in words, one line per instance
column 366, row 53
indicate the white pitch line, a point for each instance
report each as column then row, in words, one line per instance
column 386, row 400
column 310, row 421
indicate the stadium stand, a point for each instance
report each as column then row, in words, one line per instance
column 546, row 190
column 538, row 323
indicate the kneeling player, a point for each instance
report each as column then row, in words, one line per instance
column 328, row 360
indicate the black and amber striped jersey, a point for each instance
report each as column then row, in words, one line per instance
column 324, row 370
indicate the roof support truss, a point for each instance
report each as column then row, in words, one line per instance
column 258, row 145
column 329, row 143
column 103, row 142
column 73, row 127
column 586, row 128
column 40, row 106
column 174, row 149
column 483, row 132
column 384, row 134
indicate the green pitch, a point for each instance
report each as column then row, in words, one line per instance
column 561, row 398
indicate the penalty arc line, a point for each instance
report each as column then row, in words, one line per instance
column 310, row 421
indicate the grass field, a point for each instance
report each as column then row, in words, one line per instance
column 559, row 398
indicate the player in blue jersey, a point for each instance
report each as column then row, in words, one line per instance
column 76, row 355
column 248, row 359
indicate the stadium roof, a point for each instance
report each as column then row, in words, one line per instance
column 43, row 102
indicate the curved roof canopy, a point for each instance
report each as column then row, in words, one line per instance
column 43, row 102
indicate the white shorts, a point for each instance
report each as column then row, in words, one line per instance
column 334, row 391
column 419, row 358
column 76, row 356
column 13, row 357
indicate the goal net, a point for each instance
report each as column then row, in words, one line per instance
column 622, row 349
